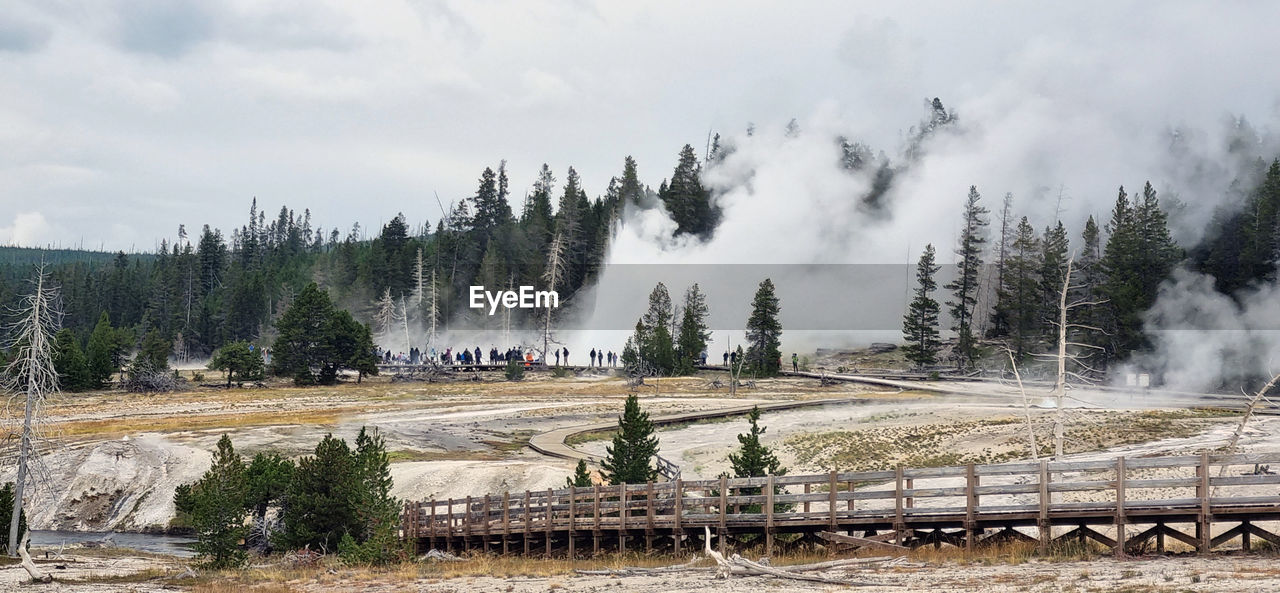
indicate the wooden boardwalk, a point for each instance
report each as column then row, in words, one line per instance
column 1141, row 502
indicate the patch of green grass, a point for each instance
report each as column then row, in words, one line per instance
column 912, row 446
column 589, row 436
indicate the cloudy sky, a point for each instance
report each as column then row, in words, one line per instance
column 120, row 120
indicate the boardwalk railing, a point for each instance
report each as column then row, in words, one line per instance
column 960, row 505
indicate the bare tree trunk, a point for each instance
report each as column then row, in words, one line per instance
column 30, row 566
column 1060, row 385
column 1026, row 407
column 1248, row 412
column 34, row 332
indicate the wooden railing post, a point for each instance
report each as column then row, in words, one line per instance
column 648, row 513
column 573, row 517
column 724, row 508
column 1046, row 528
column 466, row 525
column 1120, row 519
column 622, row 520
column 527, row 519
column 448, row 533
column 431, row 528
column 677, row 532
column 970, row 506
column 486, row 524
column 831, row 500
column 911, row 500
column 768, row 514
column 1205, row 522
column 595, row 519
column 550, row 521
column 506, row 522
column 899, row 526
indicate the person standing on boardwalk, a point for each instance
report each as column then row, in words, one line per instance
column 795, row 362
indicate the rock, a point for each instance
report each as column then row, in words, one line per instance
column 881, row 347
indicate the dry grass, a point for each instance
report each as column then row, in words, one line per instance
column 194, row 422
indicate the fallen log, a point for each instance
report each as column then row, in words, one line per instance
column 638, row 570
column 835, row 564
column 28, row 564
column 761, row 569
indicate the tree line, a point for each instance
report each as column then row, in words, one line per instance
column 196, row 294
column 671, row 340
column 1114, row 281
column 337, row 500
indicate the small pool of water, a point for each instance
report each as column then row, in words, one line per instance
column 172, row 545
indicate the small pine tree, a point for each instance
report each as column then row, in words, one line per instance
column 694, row 332
column 266, row 481
column 920, row 324
column 628, row 460
column 69, row 361
column 966, row 283
column 321, row 498
column 216, row 506
column 377, row 512
column 754, row 460
column 764, row 333
column 103, row 353
column 581, row 477
column 6, row 507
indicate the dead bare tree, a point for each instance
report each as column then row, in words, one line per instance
column 385, row 314
column 1254, row 403
column 433, row 308
column 1026, row 406
column 1063, row 356
column 31, row 378
column 553, row 275
column 404, row 321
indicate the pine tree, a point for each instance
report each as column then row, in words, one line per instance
column 999, row 324
column 694, row 332
column 238, row 360
column 218, row 511
column 969, row 269
column 628, row 460
column 103, row 353
column 920, row 324
column 266, row 480
column 658, row 348
column 1138, row 256
column 581, row 477
column 754, row 460
column 687, row 201
column 1054, row 247
column 322, row 498
column 1089, row 317
column 6, row 511
column 69, row 361
column 764, row 332
column 377, row 539
column 1021, row 302
column 630, row 191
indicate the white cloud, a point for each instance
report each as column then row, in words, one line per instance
column 29, row 229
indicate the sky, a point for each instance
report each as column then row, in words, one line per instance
column 122, row 119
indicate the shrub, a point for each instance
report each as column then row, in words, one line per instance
column 514, row 370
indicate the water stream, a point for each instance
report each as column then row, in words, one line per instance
column 172, row 545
